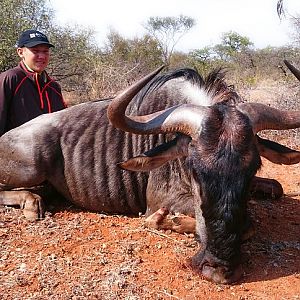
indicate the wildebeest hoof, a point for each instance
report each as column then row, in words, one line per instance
column 161, row 219
column 154, row 221
column 183, row 224
column 32, row 205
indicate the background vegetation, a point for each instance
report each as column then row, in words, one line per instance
column 87, row 71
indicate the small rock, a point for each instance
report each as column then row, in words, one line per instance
column 22, row 267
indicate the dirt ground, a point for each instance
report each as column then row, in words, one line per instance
column 73, row 254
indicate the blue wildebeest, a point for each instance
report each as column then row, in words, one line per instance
column 200, row 155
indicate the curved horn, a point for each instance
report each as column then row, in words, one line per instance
column 295, row 71
column 185, row 118
column 117, row 107
column 264, row 117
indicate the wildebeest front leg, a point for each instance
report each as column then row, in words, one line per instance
column 32, row 204
column 180, row 223
column 163, row 220
column 266, row 188
column 24, row 158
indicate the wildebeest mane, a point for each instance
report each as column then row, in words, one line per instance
column 213, row 84
column 187, row 74
column 218, row 89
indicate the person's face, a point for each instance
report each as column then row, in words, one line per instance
column 36, row 58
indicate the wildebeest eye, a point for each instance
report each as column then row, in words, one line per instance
column 192, row 146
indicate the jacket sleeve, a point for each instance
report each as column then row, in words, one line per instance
column 6, row 94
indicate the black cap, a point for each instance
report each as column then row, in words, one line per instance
column 31, row 38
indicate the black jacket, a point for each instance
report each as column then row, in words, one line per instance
column 25, row 95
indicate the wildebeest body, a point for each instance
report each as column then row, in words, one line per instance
column 77, row 152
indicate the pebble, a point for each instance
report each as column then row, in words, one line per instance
column 22, row 267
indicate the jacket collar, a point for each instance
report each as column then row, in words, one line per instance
column 31, row 74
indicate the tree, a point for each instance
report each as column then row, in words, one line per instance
column 16, row 16
column 121, row 62
column 202, row 55
column 201, row 59
column 231, row 44
column 167, row 31
column 73, row 57
column 137, row 51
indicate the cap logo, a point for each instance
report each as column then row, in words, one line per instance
column 33, row 35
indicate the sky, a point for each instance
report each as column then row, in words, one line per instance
column 255, row 19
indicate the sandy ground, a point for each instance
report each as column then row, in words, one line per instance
column 73, row 254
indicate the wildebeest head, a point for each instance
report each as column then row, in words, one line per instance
column 220, row 146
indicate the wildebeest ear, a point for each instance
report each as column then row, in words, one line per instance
column 143, row 163
column 277, row 153
column 159, row 155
